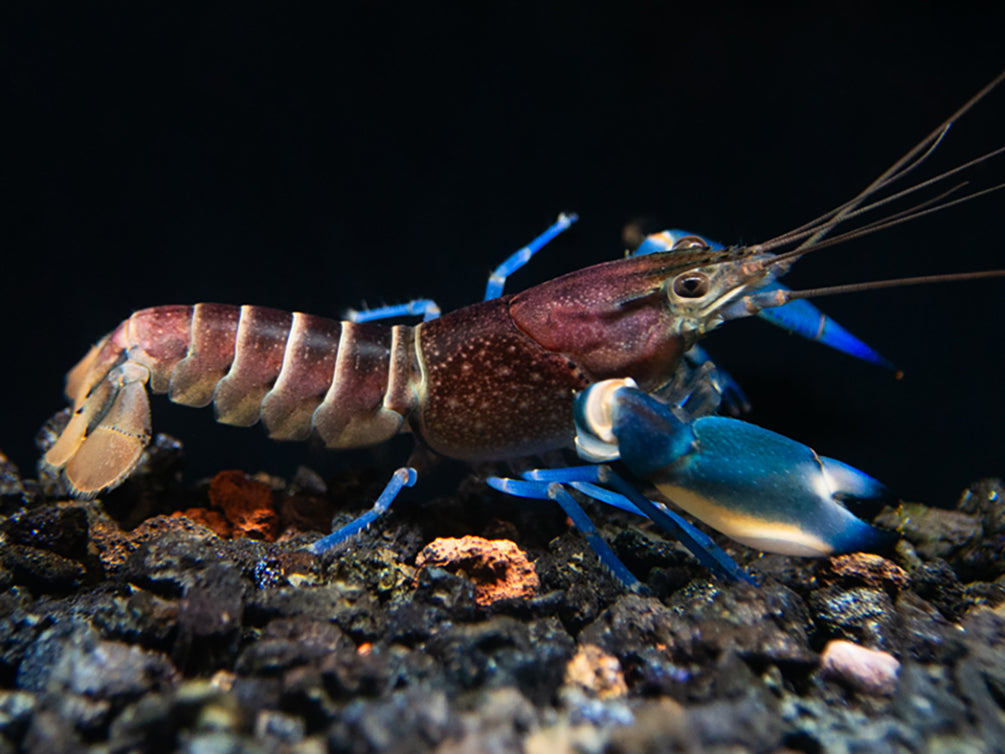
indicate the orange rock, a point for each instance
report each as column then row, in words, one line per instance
column 597, row 673
column 865, row 568
column 246, row 503
column 498, row 568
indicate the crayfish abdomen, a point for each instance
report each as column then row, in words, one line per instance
column 350, row 383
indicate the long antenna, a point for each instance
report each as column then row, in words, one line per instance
column 815, row 230
column 875, row 285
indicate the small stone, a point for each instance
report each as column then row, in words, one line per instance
column 72, row 658
column 279, row 726
column 16, row 709
column 596, row 672
column 61, row 529
column 936, row 582
column 860, row 614
column 288, row 642
column 213, row 605
column 935, row 533
column 662, row 720
column 927, row 702
column 49, row 732
column 116, row 546
column 499, row 569
column 220, row 717
column 867, row 670
column 144, row 725
column 865, row 569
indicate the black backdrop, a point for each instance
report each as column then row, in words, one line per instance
column 314, row 160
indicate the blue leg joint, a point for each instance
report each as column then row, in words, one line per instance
column 403, row 477
column 516, row 260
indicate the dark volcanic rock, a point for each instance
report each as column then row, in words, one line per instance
column 705, row 621
column 42, row 570
column 167, row 637
column 503, row 651
column 60, row 528
column 72, row 658
column 862, row 615
column 970, row 538
column 16, row 709
column 11, row 484
column 926, row 703
column 416, row 720
column 348, row 606
column 288, row 642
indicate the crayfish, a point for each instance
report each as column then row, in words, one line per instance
column 604, row 359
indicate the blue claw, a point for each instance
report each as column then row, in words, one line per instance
column 804, row 319
column 756, row 486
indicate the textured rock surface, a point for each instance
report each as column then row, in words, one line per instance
column 498, row 568
column 128, row 633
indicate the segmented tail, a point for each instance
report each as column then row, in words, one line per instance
column 351, row 383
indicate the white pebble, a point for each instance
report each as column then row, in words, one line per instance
column 867, row 670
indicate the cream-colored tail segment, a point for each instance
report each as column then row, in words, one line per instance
column 110, row 425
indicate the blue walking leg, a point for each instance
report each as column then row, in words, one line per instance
column 429, row 309
column 518, row 259
column 586, row 478
column 546, row 491
column 403, row 477
column 420, row 306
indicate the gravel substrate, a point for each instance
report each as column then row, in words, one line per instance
column 476, row 623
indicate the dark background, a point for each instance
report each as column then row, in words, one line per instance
column 378, row 152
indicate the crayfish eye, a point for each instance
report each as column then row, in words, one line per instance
column 691, row 285
column 689, row 242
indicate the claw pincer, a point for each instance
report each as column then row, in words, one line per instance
column 754, row 485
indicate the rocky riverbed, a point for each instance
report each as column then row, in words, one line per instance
column 166, row 617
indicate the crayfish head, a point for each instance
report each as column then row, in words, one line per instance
column 635, row 317
column 703, row 296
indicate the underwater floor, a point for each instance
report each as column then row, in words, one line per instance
column 166, row 617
